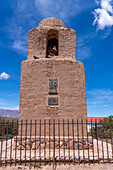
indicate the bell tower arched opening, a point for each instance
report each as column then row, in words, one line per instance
column 52, row 43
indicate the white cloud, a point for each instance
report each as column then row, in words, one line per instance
column 19, row 45
column 4, row 76
column 106, row 4
column 83, row 49
column 104, row 15
column 28, row 13
column 100, row 97
column 14, row 108
column 83, row 52
column 62, row 9
column 105, row 105
column 50, row 7
column 2, row 102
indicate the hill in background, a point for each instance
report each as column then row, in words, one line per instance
column 9, row 113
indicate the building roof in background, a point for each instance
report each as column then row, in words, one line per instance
column 95, row 118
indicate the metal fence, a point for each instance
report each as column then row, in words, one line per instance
column 38, row 142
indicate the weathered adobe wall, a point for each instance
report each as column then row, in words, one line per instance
column 35, row 75
column 37, row 42
column 35, row 90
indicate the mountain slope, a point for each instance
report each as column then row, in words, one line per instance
column 9, row 113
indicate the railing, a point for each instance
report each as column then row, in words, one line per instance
column 55, row 141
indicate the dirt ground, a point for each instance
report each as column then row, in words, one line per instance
column 64, row 167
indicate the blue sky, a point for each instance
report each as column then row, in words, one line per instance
column 93, row 22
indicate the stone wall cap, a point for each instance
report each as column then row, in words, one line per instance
column 52, row 59
column 51, row 22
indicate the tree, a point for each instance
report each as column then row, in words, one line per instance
column 103, row 129
column 8, row 129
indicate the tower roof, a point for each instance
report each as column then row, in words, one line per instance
column 51, row 22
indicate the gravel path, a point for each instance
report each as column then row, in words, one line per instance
column 65, row 167
column 107, row 148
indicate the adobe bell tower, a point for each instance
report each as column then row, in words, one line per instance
column 52, row 81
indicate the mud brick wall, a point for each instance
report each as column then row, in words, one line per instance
column 35, row 75
column 37, row 39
